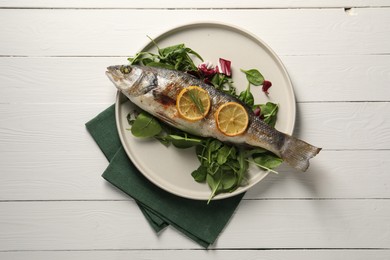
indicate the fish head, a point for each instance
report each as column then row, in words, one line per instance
column 131, row 79
column 123, row 76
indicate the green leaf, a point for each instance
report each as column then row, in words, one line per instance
column 228, row 181
column 222, row 181
column 243, row 167
column 170, row 49
column 224, row 153
column 254, row 77
column 214, row 184
column 160, row 65
column 140, row 57
column 172, row 57
column 200, row 174
column 200, row 151
column 267, row 160
column 246, row 96
column 145, row 126
column 250, row 152
column 269, row 112
column 188, row 50
column 182, row 141
column 214, row 145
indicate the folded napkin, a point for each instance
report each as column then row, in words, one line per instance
column 194, row 218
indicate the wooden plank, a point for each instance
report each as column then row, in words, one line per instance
column 46, row 153
column 201, row 254
column 82, row 80
column 61, row 80
column 75, row 175
column 344, row 126
column 88, row 32
column 334, row 126
column 339, row 78
column 330, row 175
column 325, row 224
column 191, row 4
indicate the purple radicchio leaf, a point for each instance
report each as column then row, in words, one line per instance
column 207, row 69
column 225, row 67
column 266, row 85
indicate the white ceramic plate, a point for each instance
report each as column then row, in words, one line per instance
column 170, row 168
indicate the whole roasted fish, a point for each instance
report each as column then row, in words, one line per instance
column 155, row 90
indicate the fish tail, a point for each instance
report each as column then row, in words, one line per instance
column 297, row 153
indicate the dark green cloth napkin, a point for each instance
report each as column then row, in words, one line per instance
column 194, row 218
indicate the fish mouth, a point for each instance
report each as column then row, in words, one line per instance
column 114, row 73
column 118, row 72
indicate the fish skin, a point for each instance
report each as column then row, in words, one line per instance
column 155, row 90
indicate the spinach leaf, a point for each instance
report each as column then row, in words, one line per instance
column 246, row 96
column 243, row 166
column 269, row 113
column 213, row 146
column 254, row 76
column 200, row 174
column 214, row 184
column 164, row 52
column 160, row 65
column 175, row 57
column 228, row 181
column 225, row 153
column 142, row 58
column 222, row 181
column 181, row 141
column 145, row 126
column 267, row 161
column 249, row 152
column 225, row 166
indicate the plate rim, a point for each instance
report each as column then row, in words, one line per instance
column 185, row 26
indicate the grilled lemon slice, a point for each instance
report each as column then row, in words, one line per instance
column 193, row 103
column 231, row 118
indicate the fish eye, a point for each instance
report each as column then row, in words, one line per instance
column 125, row 69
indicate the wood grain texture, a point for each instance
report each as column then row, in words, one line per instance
column 56, row 175
column 54, row 203
column 82, row 80
column 89, row 32
column 76, row 176
column 46, row 153
column 249, row 254
column 87, row 225
column 192, row 4
column 336, row 126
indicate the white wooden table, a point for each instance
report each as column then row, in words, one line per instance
column 55, row 205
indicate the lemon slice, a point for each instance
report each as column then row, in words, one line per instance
column 231, row 118
column 193, row 103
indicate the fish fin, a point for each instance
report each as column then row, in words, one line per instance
column 297, row 153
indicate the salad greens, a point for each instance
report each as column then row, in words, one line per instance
column 254, row 77
column 176, row 57
column 246, row 96
column 222, row 166
column 145, row 126
column 269, row 112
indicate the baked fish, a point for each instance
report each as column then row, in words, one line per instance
column 155, row 90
